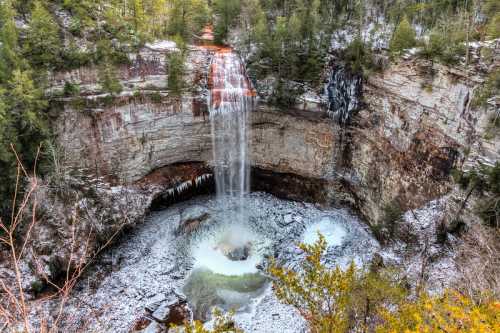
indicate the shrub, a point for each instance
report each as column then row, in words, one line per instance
column 451, row 312
column 108, row 79
column 73, row 57
column 493, row 28
column 71, row 89
column 446, row 43
column 155, row 97
column 358, row 56
column 403, row 37
column 175, row 70
column 333, row 299
column 353, row 300
column 226, row 12
column 486, row 181
column 489, row 88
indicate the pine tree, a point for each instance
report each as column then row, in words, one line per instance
column 226, row 12
column 403, row 38
column 175, row 70
column 187, row 17
column 493, row 29
column 43, row 44
column 9, row 49
column 22, row 125
column 108, row 79
column 139, row 18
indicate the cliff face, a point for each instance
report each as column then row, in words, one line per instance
column 124, row 138
column 412, row 132
column 416, row 123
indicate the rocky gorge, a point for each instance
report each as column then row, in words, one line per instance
column 392, row 139
column 415, row 124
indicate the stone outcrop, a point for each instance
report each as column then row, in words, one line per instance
column 417, row 125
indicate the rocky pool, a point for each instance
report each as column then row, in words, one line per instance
column 192, row 252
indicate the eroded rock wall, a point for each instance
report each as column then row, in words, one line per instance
column 418, row 123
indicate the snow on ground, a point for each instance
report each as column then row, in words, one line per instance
column 162, row 45
column 152, row 261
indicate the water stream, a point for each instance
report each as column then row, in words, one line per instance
column 230, row 100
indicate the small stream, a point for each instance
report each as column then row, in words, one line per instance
column 157, row 259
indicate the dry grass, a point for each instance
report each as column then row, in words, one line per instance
column 478, row 262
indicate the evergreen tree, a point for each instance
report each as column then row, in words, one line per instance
column 43, row 44
column 108, row 79
column 175, row 70
column 22, row 125
column 187, row 17
column 493, row 29
column 260, row 31
column 139, row 18
column 226, row 12
column 403, row 38
column 9, row 47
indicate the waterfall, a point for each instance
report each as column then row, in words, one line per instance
column 230, row 100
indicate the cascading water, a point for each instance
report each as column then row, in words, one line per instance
column 230, row 99
column 224, row 269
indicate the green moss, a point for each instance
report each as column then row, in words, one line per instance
column 37, row 286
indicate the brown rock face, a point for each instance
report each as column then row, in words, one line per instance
column 417, row 124
column 415, row 128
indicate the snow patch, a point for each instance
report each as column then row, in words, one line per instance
column 162, row 45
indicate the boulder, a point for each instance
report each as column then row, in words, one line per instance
column 172, row 310
column 235, row 252
column 192, row 218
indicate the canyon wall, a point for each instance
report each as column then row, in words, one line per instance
column 416, row 123
column 145, row 144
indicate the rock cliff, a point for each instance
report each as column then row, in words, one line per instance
column 415, row 124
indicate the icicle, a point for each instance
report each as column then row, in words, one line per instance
column 170, row 192
column 201, row 179
column 344, row 94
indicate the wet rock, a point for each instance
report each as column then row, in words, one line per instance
column 239, row 254
column 344, row 94
column 192, row 219
column 234, row 252
column 154, row 327
column 172, row 310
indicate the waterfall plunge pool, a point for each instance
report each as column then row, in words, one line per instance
column 157, row 259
